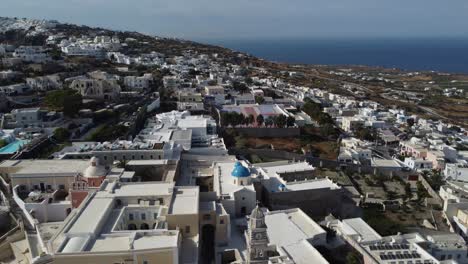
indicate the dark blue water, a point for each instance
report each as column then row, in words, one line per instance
column 446, row 55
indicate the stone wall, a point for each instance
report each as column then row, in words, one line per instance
column 269, row 132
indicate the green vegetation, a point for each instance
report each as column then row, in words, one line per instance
column 377, row 220
column 61, row 134
column 3, row 143
column 240, row 87
column 259, row 99
column 108, row 133
column 235, row 119
column 68, row 101
column 422, row 192
column 434, row 178
column 366, row 133
column 314, row 110
column 353, row 258
column 408, row 193
column 260, row 120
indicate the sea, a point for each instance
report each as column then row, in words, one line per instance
column 418, row 54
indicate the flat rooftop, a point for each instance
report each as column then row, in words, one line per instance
column 18, row 168
column 186, row 201
column 291, row 226
column 273, row 169
column 385, row 163
column 312, row 184
column 357, row 226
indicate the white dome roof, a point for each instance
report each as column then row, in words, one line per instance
column 95, row 169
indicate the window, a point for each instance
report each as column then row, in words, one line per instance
column 61, row 187
column 442, row 257
column 145, row 262
column 130, row 217
column 221, row 221
column 49, row 187
column 449, row 257
column 187, row 229
column 155, row 215
column 143, row 216
column 206, row 217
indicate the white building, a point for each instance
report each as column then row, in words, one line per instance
column 233, row 185
column 34, row 54
column 96, row 89
column 138, row 82
column 44, row 83
column 418, row 164
column 406, row 248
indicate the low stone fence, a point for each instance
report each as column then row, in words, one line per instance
column 269, row 153
column 435, row 198
column 269, row 132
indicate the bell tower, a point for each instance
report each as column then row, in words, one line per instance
column 257, row 238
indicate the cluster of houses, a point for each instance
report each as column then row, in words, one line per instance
column 172, row 193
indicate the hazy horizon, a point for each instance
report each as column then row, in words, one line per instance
column 206, row 20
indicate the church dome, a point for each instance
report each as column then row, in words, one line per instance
column 95, row 169
column 240, row 171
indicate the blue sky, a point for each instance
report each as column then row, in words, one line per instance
column 248, row 19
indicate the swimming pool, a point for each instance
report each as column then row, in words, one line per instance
column 13, row 146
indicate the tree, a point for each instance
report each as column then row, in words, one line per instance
column 290, row 121
column 3, row 143
column 422, row 192
column 353, row 258
column 240, row 87
column 68, row 101
column 250, row 119
column 408, row 193
column 327, row 130
column 260, row 120
column 259, row 99
column 269, row 122
column 365, row 133
column 61, row 134
column 280, row 121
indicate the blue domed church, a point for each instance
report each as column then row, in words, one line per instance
column 233, row 184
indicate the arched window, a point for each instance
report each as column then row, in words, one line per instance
column 144, row 226
column 131, row 227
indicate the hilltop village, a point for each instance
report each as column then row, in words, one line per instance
column 118, row 147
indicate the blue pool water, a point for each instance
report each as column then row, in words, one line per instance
column 13, row 146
